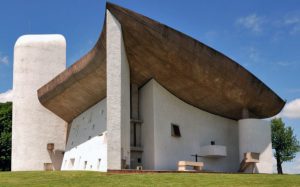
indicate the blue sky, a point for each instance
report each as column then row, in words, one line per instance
column 261, row 35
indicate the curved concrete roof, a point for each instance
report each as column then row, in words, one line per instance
column 192, row 71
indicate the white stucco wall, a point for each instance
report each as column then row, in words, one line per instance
column 159, row 109
column 118, row 95
column 255, row 136
column 87, row 142
column 146, row 107
column 37, row 59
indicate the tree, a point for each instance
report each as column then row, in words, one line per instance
column 284, row 142
column 5, row 135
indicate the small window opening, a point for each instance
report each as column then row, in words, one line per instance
column 175, row 130
column 139, row 160
column 85, row 164
column 98, row 165
column 71, row 163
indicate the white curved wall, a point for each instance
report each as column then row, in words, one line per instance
column 37, row 60
column 87, row 143
column 159, row 108
column 255, row 136
column 91, row 155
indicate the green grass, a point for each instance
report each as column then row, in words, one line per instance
column 61, row 179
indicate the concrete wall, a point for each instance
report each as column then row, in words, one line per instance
column 146, row 106
column 87, row 146
column 255, row 136
column 118, row 96
column 37, row 59
column 159, row 108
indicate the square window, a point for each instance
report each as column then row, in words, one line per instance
column 139, row 160
column 175, row 130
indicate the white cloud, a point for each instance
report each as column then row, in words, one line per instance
column 6, row 96
column 277, row 28
column 251, row 22
column 292, row 23
column 291, row 109
column 210, row 35
column 286, row 63
column 254, row 55
column 295, row 29
column 3, row 59
column 291, row 20
column 294, row 90
column 282, row 63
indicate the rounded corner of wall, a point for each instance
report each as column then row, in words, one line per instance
column 31, row 39
column 255, row 136
column 37, row 60
column 20, row 41
column 61, row 40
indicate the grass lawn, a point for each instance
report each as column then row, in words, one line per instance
column 173, row 179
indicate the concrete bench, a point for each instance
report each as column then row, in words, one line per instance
column 196, row 165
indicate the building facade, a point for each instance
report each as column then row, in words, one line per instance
column 146, row 96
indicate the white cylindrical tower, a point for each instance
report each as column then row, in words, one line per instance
column 255, row 136
column 37, row 60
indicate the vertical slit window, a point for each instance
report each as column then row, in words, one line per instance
column 175, row 130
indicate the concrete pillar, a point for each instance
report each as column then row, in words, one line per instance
column 118, row 96
column 255, row 136
column 134, row 101
column 37, row 59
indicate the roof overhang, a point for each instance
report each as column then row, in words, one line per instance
column 192, row 71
